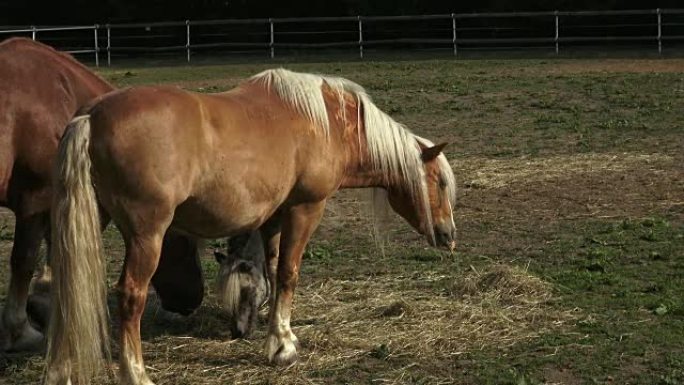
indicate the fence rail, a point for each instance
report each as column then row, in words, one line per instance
column 553, row 30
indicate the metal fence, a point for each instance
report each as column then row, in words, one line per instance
column 553, row 31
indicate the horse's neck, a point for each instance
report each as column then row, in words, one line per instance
column 361, row 178
column 359, row 171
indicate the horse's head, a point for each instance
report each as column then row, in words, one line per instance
column 242, row 285
column 441, row 191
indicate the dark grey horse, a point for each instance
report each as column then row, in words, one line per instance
column 242, row 282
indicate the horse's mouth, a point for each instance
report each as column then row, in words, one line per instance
column 445, row 239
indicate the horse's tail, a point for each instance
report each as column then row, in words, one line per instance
column 78, row 338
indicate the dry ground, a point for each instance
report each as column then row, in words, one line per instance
column 570, row 265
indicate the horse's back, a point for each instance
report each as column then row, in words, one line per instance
column 40, row 89
column 243, row 152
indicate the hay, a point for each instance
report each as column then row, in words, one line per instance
column 496, row 173
column 506, row 285
column 423, row 319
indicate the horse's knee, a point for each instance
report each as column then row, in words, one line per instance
column 287, row 280
column 131, row 299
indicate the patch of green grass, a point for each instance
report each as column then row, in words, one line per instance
column 627, row 278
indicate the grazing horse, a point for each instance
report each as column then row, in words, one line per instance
column 244, row 282
column 266, row 155
column 40, row 90
column 243, row 286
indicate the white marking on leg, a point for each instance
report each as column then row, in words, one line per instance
column 132, row 371
column 281, row 342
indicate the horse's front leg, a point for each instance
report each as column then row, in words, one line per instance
column 298, row 223
column 142, row 258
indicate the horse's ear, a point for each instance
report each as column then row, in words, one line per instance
column 220, row 257
column 431, row 153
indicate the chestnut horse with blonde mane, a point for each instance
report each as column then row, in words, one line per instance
column 40, row 90
column 266, row 155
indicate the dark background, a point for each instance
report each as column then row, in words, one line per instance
column 56, row 12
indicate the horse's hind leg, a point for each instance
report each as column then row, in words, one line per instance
column 142, row 258
column 27, row 237
column 28, row 234
column 298, row 223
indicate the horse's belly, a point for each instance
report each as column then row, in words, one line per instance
column 219, row 218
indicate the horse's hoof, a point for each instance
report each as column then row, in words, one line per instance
column 285, row 356
column 5, row 343
column 281, row 352
column 30, row 340
column 38, row 310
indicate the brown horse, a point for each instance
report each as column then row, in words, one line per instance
column 266, row 155
column 40, row 90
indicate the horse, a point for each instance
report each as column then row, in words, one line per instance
column 243, row 286
column 265, row 155
column 40, row 90
column 244, row 282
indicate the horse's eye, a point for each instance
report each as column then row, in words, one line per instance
column 442, row 183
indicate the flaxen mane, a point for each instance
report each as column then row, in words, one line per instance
column 392, row 148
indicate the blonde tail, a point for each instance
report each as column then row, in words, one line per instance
column 78, row 338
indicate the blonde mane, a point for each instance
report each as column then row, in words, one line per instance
column 392, row 148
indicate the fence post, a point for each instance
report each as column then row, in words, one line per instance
column 97, row 46
column 272, row 41
column 453, row 33
column 660, row 31
column 187, row 39
column 360, row 37
column 109, row 46
column 33, row 32
column 556, row 35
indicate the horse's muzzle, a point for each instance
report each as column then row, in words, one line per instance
column 445, row 236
